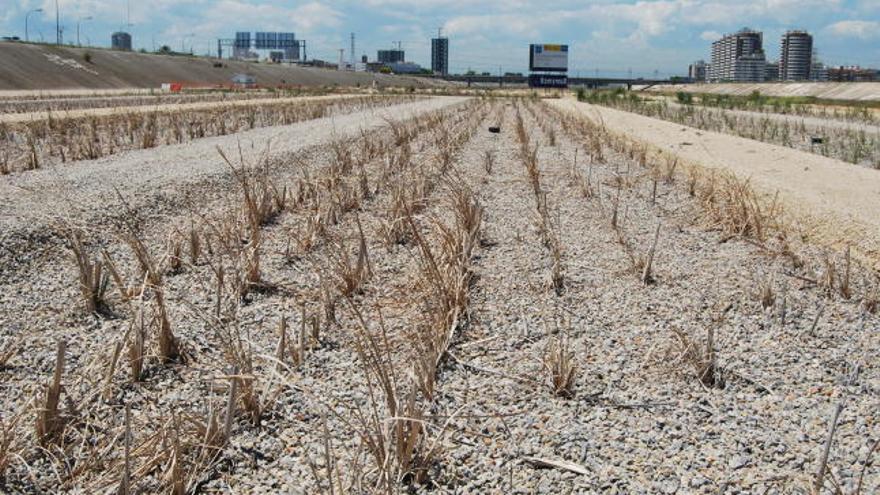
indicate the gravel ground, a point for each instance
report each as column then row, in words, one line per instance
column 835, row 202
column 639, row 419
column 31, row 201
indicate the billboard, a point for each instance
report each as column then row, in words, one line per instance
column 242, row 40
column 267, row 41
column 549, row 58
column 548, row 81
column 274, row 41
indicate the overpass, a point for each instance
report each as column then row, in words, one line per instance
column 588, row 82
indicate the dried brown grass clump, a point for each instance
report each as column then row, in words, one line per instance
column 733, row 206
column 93, row 280
column 351, row 275
column 262, row 202
column 394, row 228
column 394, row 429
column 169, row 347
column 701, row 357
column 559, row 362
column 444, row 280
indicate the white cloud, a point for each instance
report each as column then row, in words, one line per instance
column 710, row 35
column 863, row 30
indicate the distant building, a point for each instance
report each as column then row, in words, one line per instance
column 440, row 56
column 120, row 41
column 739, row 57
column 818, row 72
column 697, row 71
column 852, row 73
column 364, row 59
column 772, row 73
column 405, row 68
column 390, row 56
column 796, row 56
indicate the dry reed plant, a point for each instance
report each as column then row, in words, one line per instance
column 394, row 429
column 169, row 347
column 351, row 275
column 766, row 294
column 8, row 444
column 733, row 206
column 561, row 367
column 93, row 280
column 702, row 357
column 488, row 161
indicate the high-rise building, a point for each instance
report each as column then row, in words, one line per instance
column 120, row 41
column 440, row 56
column 390, row 56
column 739, row 57
column 796, row 56
column 772, row 73
column 697, row 71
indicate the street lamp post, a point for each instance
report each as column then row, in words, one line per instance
column 183, row 42
column 78, row 22
column 26, row 37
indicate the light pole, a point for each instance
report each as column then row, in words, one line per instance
column 57, row 24
column 89, row 18
column 26, row 38
column 183, row 42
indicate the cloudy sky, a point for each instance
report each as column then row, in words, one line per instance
column 611, row 36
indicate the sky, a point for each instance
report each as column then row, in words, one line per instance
column 606, row 37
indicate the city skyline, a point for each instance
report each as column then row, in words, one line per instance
column 611, row 36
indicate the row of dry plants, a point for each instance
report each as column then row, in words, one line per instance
column 30, row 145
column 66, row 103
column 730, row 206
column 105, row 439
column 857, row 146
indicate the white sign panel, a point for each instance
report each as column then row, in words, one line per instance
column 548, row 58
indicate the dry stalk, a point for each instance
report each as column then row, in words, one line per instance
column 169, row 347
column 195, row 245
column 8, row 444
column 559, row 361
column 845, row 289
column 702, row 358
column 766, row 294
column 350, row 275
column 50, row 423
column 647, row 276
column 93, row 281
column 488, row 161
